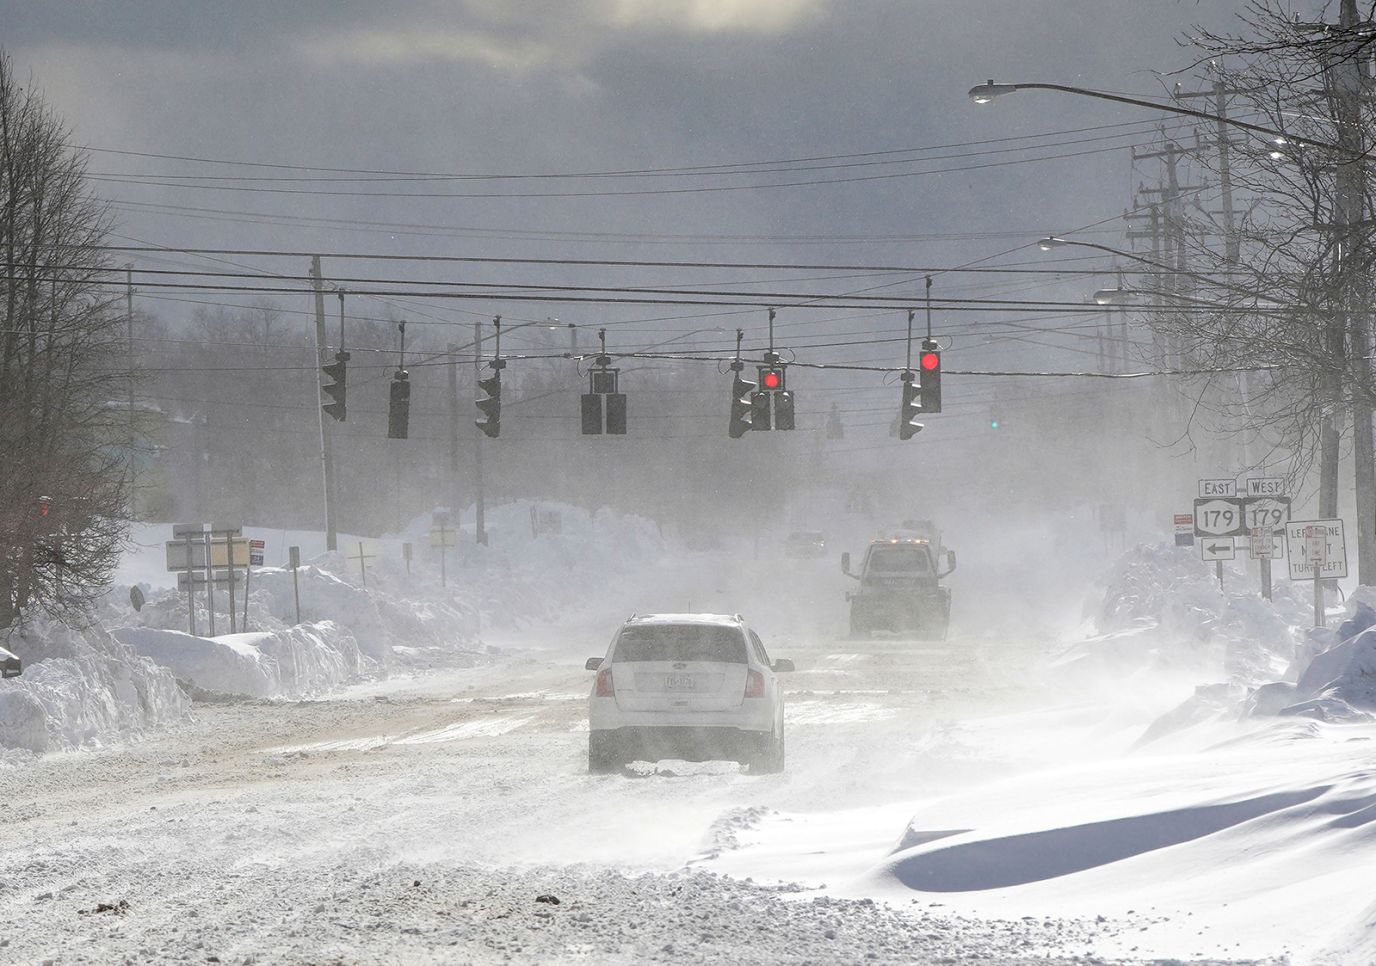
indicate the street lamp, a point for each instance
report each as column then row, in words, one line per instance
column 1051, row 242
column 986, row 92
column 1126, row 296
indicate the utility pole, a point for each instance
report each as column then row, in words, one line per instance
column 1347, row 79
column 133, row 434
column 453, row 367
column 479, row 527
column 326, row 448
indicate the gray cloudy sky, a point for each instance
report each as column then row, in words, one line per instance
column 493, row 87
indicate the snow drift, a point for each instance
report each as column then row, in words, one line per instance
column 82, row 687
column 297, row 662
column 1163, row 610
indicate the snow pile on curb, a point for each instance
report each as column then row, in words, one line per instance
column 82, row 687
column 1163, row 609
column 408, row 614
column 297, row 662
column 1339, row 682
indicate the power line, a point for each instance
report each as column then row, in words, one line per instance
column 633, row 263
column 1135, row 126
column 638, row 192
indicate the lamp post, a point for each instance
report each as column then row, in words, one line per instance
column 986, row 92
column 1343, row 75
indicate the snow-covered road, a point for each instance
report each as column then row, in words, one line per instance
column 421, row 820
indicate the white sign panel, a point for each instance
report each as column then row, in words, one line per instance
column 1267, row 544
column 1265, row 486
column 1184, row 529
column 1317, row 548
column 1216, row 548
column 1217, row 488
column 1220, row 517
column 1266, row 511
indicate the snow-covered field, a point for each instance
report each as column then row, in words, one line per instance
column 1186, row 778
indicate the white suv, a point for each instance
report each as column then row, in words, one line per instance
column 694, row 686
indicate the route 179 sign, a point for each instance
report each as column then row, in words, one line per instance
column 1219, row 516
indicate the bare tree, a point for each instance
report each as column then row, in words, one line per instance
column 63, row 484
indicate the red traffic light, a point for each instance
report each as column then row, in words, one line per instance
column 771, row 379
column 930, row 361
column 43, row 504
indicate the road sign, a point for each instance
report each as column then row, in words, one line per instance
column 1267, row 543
column 1184, row 530
column 256, row 551
column 1317, row 548
column 180, row 556
column 188, row 529
column 1217, row 488
column 1219, row 517
column 196, row 578
column 1265, row 486
column 442, row 538
column 1272, row 512
column 1216, row 548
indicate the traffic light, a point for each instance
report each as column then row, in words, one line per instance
column 603, row 384
column 335, row 390
column 616, row 413
column 772, row 394
column 592, row 414
column 783, row 410
column 908, row 426
column 742, row 406
column 490, row 405
column 930, row 362
column 399, row 406
column 759, row 410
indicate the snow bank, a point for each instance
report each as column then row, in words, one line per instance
column 1163, row 609
column 82, row 687
column 1264, row 844
column 1339, row 682
column 300, row 661
column 410, row 614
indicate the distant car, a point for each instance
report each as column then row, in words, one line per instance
column 805, row 543
column 699, row 687
column 10, row 665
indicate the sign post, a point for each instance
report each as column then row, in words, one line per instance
column 209, row 582
column 256, row 551
column 1318, row 551
column 294, row 557
column 179, row 560
column 1265, row 510
column 442, row 537
column 225, row 533
column 363, row 559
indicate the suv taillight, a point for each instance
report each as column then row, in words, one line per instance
column 754, row 684
column 605, row 689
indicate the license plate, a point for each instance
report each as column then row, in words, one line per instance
column 679, row 682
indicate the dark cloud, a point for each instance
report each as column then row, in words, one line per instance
column 487, row 86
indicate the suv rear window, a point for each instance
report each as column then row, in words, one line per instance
column 680, row 642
